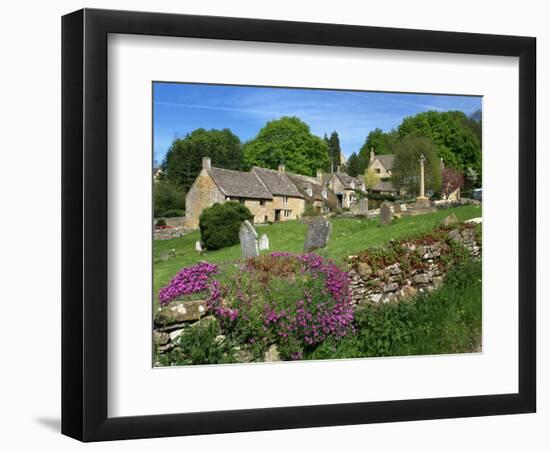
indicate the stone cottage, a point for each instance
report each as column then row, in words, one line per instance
column 344, row 187
column 268, row 194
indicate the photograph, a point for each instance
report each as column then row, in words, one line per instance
column 302, row 224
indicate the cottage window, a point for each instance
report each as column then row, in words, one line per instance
column 377, row 170
column 241, row 200
column 262, row 202
column 324, row 193
column 285, row 200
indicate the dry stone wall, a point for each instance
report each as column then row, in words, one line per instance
column 422, row 266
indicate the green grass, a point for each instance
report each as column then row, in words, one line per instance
column 444, row 322
column 348, row 236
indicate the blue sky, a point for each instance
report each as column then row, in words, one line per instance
column 181, row 108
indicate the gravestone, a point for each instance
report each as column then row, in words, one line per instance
column 397, row 209
column 198, row 246
column 317, row 236
column 361, row 208
column 248, row 238
column 386, row 215
column 164, row 255
column 264, row 242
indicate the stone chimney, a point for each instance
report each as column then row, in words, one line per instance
column 206, row 163
column 319, row 175
column 281, row 168
column 371, row 154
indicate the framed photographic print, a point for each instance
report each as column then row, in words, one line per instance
column 273, row 224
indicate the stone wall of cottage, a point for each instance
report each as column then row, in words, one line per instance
column 395, row 283
column 202, row 194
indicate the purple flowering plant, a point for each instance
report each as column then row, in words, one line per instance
column 295, row 301
column 190, row 280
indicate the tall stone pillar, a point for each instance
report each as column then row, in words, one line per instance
column 422, row 160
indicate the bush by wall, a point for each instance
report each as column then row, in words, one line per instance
column 219, row 224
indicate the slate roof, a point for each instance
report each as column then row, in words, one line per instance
column 301, row 180
column 239, row 184
column 278, row 183
column 386, row 161
column 386, row 186
column 345, row 179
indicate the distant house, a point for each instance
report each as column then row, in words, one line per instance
column 344, row 187
column 315, row 191
column 381, row 164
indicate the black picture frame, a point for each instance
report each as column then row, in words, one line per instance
column 84, row 224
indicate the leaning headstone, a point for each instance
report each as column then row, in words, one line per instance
column 198, row 246
column 317, row 236
column 385, row 214
column 397, row 209
column 248, row 238
column 264, row 242
column 164, row 255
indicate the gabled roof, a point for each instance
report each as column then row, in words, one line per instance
column 346, row 179
column 384, row 186
column 277, row 182
column 386, row 160
column 301, row 181
column 239, row 184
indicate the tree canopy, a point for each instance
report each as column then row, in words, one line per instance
column 287, row 141
column 406, row 166
column 453, row 134
column 183, row 161
column 382, row 143
column 334, row 151
column 355, row 165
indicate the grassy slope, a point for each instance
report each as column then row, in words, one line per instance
column 348, row 236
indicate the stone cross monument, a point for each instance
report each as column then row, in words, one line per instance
column 422, row 160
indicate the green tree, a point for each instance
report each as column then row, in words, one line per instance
column 287, row 141
column 355, row 165
column 183, row 161
column 334, row 151
column 382, row 142
column 406, row 166
column 371, row 178
column 167, row 197
column 452, row 134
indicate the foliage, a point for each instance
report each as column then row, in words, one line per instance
column 406, row 167
column 452, row 134
column 445, row 321
column 183, row 161
column 166, row 196
column 200, row 344
column 309, row 210
column 160, row 223
column 219, row 224
column 173, row 213
column 355, row 165
column 371, row 178
column 451, row 180
column 382, row 143
column 334, row 152
column 287, row 141
column 294, row 301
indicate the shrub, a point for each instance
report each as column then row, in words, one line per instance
column 309, row 210
column 167, row 196
column 200, row 344
column 294, row 301
column 160, row 223
column 173, row 213
column 219, row 224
